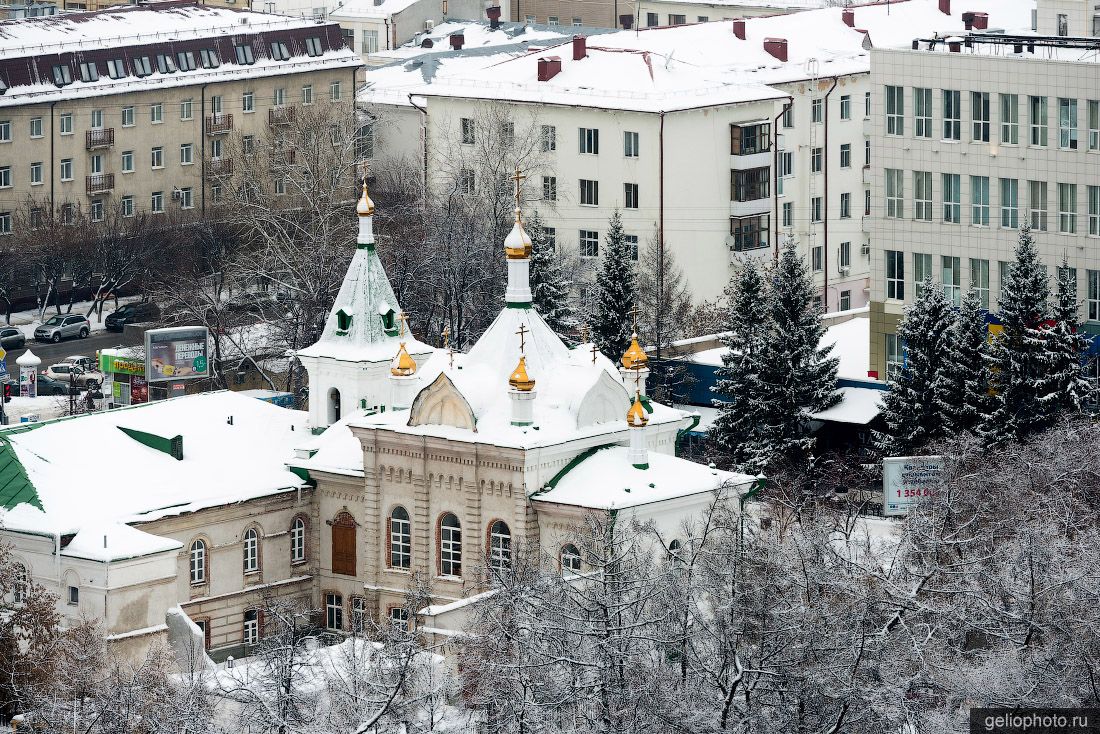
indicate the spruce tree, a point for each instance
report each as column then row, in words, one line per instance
column 1068, row 345
column 962, row 392
column 735, row 433
column 909, row 409
column 1019, row 360
column 549, row 285
column 611, row 321
column 798, row 376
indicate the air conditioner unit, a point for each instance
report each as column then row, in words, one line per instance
column 176, row 194
column 845, row 270
column 865, row 248
column 429, row 24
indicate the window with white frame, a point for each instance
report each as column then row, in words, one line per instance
column 251, row 632
column 399, row 616
column 589, row 192
column 450, row 546
column 166, row 64
column 198, row 562
column 952, row 198
column 36, row 127
column 251, row 551
column 979, row 116
column 370, row 42
column 979, row 280
column 156, row 157
column 952, row 114
column 1010, row 203
column 1094, row 210
column 815, row 160
column 279, row 51
column 400, row 539
column 816, row 209
column 788, row 214
column 979, row 200
column 589, row 243
column 817, row 258
column 500, row 546
column 922, row 272
column 845, row 205
column 185, row 60
column 922, row 112
column 570, row 560
column 187, row 154
column 128, row 116
column 548, row 138
column 550, row 188
column 817, row 110
column 867, row 105
column 36, row 173
column 65, row 123
column 845, row 107
column 5, row 177
column 95, row 210
column 186, row 110
column 844, row 257
column 5, row 223
column 248, row 102
column 209, row 58
column 143, row 67
column 1037, row 204
column 630, row 196
column 952, row 279
column 467, row 128
column 126, row 205
column 1094, row 124
column 466, row 182
column 298, row 540
column 630, row 144
column 922, row 195
column 116, row 68
column 313, row 46
column 631, row 241
column 359, row 615
column 1093, row 300
column 1067, row 208
column 187, row 198
column 895, row 275
column 845, row 155
column 66, row 169
column 895, row 193
column 1067, row 123
column 334, row 611
column 335, row 91
column 156, row 113
column 307, row 94
column 279, row 97
column 895, row 357
column 127, row 161
column 1037, row 120
column 1004, row 271
column 845, row 300
column 589, row 140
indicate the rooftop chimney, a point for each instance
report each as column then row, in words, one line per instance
column 626, row 22
column 954, row 46
column 580, row 48
column 945, row 7
column 777, row 47
column 457, row 39
column 549, row 66
column 968, row 21
column 849, row 17
column 981, row 21
column 493, row 13
column 739, row 28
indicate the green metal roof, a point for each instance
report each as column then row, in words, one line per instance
column 15, row 486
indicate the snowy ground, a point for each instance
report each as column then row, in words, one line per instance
column 28, row 321
column 44, row 406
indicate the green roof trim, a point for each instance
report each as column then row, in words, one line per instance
column 573, row 463
column 522, row 305
column 683, row 432
column 16, row 487
column 171, row 446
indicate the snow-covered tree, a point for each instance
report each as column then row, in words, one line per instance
column 740, row 390
column 1020, row 360
column 664, row 312
column 962, row 390
column 549, row 283
column 909, row 409
column 610, row 319
column 798, row 375
column 1068, row 345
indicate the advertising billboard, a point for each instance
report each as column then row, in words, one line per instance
column 179, row 353
column 908, row 479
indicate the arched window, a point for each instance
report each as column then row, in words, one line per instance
column 400, row 538
column 333, row 406
column 675, row 552
column 198, row 562
column 570, row 560
column 251, row 551
column 450, row 546
column 500, row 546
column 343, row 545
column 297, row 540
column 21, row 585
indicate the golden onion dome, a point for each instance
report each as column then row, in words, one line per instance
column 517, row 245
column 635, row 357
column 519, row 379
column 403, row 364
column 365, row 207
column 636, row 417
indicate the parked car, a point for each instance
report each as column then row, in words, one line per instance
column 12, row 338
column 66, row 373
column 87, row 363
column 49, row 386
column 131, row 313
column 62, row 327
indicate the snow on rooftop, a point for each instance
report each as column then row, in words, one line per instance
column 858, row 406
column 115, row 542
column 90, row 475
column 478, row 36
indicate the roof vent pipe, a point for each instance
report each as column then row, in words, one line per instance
column 954, row 46
column 739, row 28
column 626, row 21
column 457, row 39
column 968, row 20
column 945, row 7
column 849, row 17
column 580, row 48
column 777, row 47
column 981, row 21
column 493, row 14
column 549, row 67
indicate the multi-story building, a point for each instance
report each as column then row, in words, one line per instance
column 975, row 135
column 653, row 13
column 130, row 107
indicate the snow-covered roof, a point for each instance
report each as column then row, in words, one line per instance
column 95, row 473
column 778, row 5
column 858, row 406
column 607, row 480
column 112, row 541
column 478, row 36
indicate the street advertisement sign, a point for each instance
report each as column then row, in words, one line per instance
column 28, row 382
column 908, row 479
column 139, row 390
column 179, row 353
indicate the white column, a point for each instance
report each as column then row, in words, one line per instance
column 402, row 392
column 629, row 376
column 519, row 281
column 366, row 231
column 523, row 406
column 638, row 453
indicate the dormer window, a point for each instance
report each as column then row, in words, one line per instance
column 343, row 320
column 279, row 51
column 185, row 60
column 116, row 68
column 313, row 46
column 88, row 72
column 244, row 54
column 62, row 75
column 208, row 57
column 165, row 64
column 142, row 66
column 389, row 321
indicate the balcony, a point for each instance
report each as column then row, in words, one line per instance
column 281, row 115
column 219, row 124
column 99, row 138
column 220, row 166
column 99, row 183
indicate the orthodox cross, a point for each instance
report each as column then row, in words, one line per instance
column 594, row 352
column 447, row 346
column 634, row 316
column 517, row 178
column 402, row 317
column 584, row 333
column 522, row 331
column 446, row 336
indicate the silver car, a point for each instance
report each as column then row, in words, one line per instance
column 62, row 327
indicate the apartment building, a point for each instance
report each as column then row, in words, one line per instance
column 109, row 109
column 653, row 13
column 975, row 135
column 1068, row 18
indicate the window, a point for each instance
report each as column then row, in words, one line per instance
column 36, row 173
column 817, row 110
column 895, row 193
column 895, row 275
column 467, row 126
column 65, row 123
column 88, row 72
column 866, row 153
column 922, row 111
column 845, row 107
column 279, row 97
column 156, row 158
column 751, row 185
column 1010, row 119
column 165, row 64
column 952, row 115
column 127, row 161
column 5, row 222
column 632, row 242
column 298, row 540
column 550, row 188
column 952, row 279
column 500, row 546
column 676, row 19
column 1067, row 208
column 1063, row 24
column 922, row 271
column 142, row 66
column 95, row 210
column 313, row 46
column 630, row 144
column 466, row 182
column 334, row 612
column 244, row 54
column 895, row 110
column 867, row 202
column 36, row 127
column 1010, row 203
column 570, row 560
column 198, row 562
column 62, row 75
column 548, row 138
column 750, row 139
column 895, row 357
column 370, row 42
column 590, row 192
column 788, row 116
column 1037, row 204
column 1094, row 295
column 590, row 243
column 187, row 152
column 186, row 111
column 1067, row 124
column 507, row 132
column 400, row 539
column 450, row 546
column 251, row 627
column 74, row 595
column 251, row 537
column 187, row 198
column 749, row 233
column 551, row 237
column 68, row 213
column 66, row 169
column 846, row 155
column 922, row 195
column 630, row 196
column 334, row 91
column 867, row 105
column 1094, row 124
column 817, row 258
column 156, row 113
column 399, row 616
column 1037, row 118
column 359, row 615
column 979, row 200
column 952, row 198
column 589, row 140
column 116, row 68
column 209, row 59
column 185, row 60
column 279, row 51
column 979, row 115
column 845, row 205
column 788, row 214
column 21, row 583
column 1094, row 210
column 307, row 94
column 979, row 280
column 815, row 209
column 786, row 164
column 845, row 300
column 343, row 544
column 815, row 160
column 5, row 177
column 128, row 116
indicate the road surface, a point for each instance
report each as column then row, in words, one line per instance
column 53, row 353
